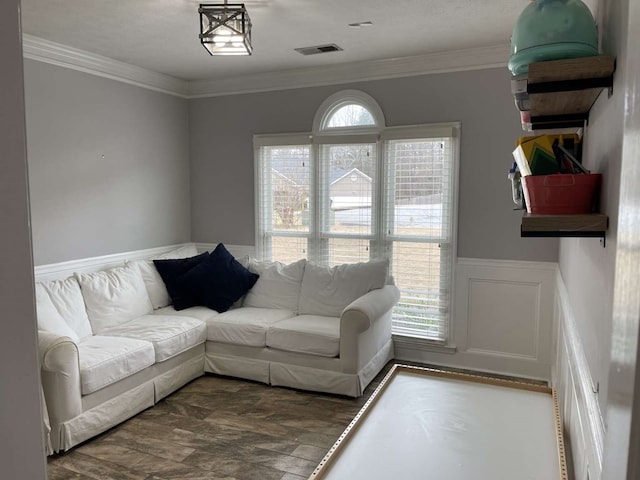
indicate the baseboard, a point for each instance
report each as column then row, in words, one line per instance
column 502, row 320
column 579, row 408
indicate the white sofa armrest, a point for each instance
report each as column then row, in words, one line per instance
column 359, row 315
column 60, row 372
column 365, row 327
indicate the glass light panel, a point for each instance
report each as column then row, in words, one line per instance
column 225, row 30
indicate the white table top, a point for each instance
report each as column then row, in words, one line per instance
column 425, row 427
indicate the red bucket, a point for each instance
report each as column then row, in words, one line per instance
column 561, row 194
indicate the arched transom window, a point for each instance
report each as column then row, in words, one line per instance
column 348, row 110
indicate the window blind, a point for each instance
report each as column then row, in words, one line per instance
column 347, row 203
column 419, row 233
column 283, row 201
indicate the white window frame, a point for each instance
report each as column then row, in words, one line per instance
column 378, row 134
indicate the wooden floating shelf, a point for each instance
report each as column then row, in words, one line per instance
column 586, row 225
column 560, row 93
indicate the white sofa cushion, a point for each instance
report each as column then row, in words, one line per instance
column 327, row 291
column 153, row 281
column 170, row 335
column 244, row 326
column 67, row 298
column 156, row 289
column 201, row 313
column 49, row 319
column 114, row 296
column 311, row 334
column 105, row 360
column 278, row 285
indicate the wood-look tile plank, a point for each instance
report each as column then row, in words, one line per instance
column 289, row 464
column 310, row 452
column 192, row 475
column 116, row 454
column 232, row 465
column 291, row 476
column 91, row 467
column 56, row 471
column 159, row 447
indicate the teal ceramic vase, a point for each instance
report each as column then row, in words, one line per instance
column 552, row 30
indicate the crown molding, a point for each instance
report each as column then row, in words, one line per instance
column 452, row 61
column 35, row 48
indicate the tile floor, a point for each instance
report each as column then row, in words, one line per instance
column 217, row 428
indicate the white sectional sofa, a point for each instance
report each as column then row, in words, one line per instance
column 112, row 345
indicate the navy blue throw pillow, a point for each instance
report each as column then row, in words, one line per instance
column 219, row 281
column 171, row 271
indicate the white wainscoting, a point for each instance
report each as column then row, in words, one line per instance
column 55, row 271
column 502, row 319
column 582, row 419
column 237, row 251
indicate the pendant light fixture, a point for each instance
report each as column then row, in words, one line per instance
column 225, row 29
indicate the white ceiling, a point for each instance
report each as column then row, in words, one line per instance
column 162, row 35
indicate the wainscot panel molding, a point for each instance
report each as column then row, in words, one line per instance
column 55, row 271
column 502, row 319
column 578, row 399
column 454, row 61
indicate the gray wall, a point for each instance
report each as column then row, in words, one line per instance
column 108, row 165
column 21, row 441
column 221, row 131
column 587, row 268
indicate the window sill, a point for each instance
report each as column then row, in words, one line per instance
column 423, row 344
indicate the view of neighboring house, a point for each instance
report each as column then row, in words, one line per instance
column 350, row 196
column 349, row 189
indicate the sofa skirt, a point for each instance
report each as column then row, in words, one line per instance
column 107, row 415
column 291, row 369
column 315, row 380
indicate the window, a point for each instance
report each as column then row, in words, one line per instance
column 354, row 190
column 349, row 115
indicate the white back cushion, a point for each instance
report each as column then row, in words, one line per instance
column 67, row 299
column 327, row 291
column 156, row 288
column 114, row 296
column 49, row 319
column 278, row 285
column 153, row 281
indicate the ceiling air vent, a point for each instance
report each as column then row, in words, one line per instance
column 318, row 49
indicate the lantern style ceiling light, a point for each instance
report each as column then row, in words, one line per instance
column 225, row 29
